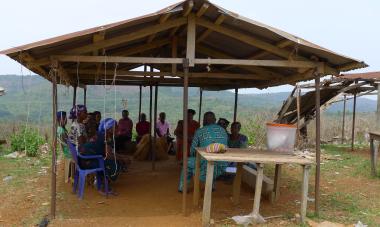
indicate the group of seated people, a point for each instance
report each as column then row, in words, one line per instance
column 92, row 135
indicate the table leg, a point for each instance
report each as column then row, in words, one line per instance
column 196, row 179
column 305, row 188
column 373, row 161
column 259, row 183
column 276, row 185
column 237, row 184
column 207, row 196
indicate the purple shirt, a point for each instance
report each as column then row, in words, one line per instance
column 162, row 127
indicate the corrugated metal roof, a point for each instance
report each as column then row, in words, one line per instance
column 215, row 45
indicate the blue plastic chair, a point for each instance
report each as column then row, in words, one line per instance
column 80, row 174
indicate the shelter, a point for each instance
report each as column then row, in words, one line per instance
column 191, row 43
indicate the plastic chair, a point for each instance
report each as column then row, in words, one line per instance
column 80, row 174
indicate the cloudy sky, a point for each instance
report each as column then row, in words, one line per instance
column 349, row 27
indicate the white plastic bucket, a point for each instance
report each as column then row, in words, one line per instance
column 281, row 137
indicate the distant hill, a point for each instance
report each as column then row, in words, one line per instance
column 33, row 94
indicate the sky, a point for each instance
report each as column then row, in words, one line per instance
column 348, row 27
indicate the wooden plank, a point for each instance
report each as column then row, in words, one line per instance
column 196, row 194
column 266, row 63
column 207, row 195
column 186, row 11
column 258, row 186
column 190, row 45
column 249, row 39
column 206, row 33
column 254, row 155
column 203, row 9
column 174, row 53
column 128, row 37
column 116, row 59
column 162, row 20
column 305, row 188
column 237, row 184
column 276, row 186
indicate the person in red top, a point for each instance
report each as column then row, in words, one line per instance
column 192, row 127
column 142, row 127
column 124, row 132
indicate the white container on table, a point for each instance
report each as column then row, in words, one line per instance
column 281, row 137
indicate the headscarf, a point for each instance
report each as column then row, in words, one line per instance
column 106, row 124
column 76, row 110
column 61, row 115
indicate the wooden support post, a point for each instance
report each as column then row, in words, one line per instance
column 54, row 149
column 207, row 196
column 237, row 184
column 191, row 37
column 298, row 96
column 305, row 188
column 373, row 156
column 258, row 186
column 85, row 96
column 140, row 96
column 353, row 122
column 174, row 53
column 196, row 179
column 185, row 132
column 200, row 105
column 150, row 118
column 276, row 185
column 344, row 117
column 317, row 142
column 236, row 103
column 155, row 126
column 75, row 96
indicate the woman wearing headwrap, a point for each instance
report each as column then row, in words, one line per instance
column 78, row 134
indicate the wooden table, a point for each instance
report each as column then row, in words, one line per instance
column 374, row 152
column 241, row 156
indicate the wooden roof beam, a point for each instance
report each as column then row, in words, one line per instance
column 206, row 33
column 162, row 20
column 203, row 9
column 248, row 39
column 186, row 11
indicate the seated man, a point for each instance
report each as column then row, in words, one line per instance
column 124, row 132
column 142, row 128
column 223, row 123
column 208, row 134
column 162, row 126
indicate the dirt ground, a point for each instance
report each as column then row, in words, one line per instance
column 147, row 198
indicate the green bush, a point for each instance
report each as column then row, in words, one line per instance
column 27, row 140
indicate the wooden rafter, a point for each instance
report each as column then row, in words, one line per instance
column 186, row 11
column 206, row 33
column 203, row 9
column 248, row 39
column 162, row 20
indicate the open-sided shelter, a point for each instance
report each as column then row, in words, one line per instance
column 192, row 43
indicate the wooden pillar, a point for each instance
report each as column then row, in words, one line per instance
column 54, row 149
column 200, row 105
column 236, row 103
column 85, row 96
column 353, row 122
column 140, row 96
column 344, row 117
column 150, row 117
column 185, row 132
column 75, row 96
column 317, row 141
column 154, row 130
column 298, row 97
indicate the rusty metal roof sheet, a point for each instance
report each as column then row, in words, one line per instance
column 364, row 76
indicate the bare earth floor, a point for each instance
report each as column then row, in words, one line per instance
column 147, row 198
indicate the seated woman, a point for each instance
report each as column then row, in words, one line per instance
column 235, row 139
column 103, row 145
column 78, row 133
